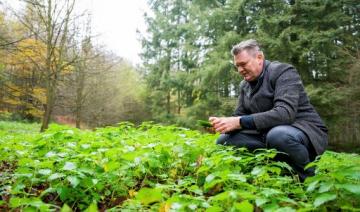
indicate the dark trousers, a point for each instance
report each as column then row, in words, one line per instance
column 284, row 138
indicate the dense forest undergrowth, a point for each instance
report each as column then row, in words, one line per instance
column 152, row 167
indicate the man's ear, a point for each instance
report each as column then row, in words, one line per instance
column 260, row 56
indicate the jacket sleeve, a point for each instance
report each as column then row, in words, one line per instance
column 287, row 88
column 240, row 110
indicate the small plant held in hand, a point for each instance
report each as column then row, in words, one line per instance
column 207, row 126
column 204, row 123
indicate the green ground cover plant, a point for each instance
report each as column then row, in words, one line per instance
column 160, row 168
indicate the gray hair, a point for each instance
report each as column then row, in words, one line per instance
column 251, row 46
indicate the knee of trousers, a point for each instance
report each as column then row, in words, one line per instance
column 222, row 139
column 279, row 138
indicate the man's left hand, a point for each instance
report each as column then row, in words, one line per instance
column 225, row 124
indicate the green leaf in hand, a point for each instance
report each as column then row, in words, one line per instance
column 204, row 123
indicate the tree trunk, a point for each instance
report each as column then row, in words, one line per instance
column 179, row 102
column 168, row 103
column 48, row 107
column 79, row 95
column 78, row 117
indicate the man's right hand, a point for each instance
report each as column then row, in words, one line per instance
column 225, row 124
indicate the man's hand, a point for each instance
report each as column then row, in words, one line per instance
column 225, row 124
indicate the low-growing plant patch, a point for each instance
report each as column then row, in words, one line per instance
column 162, row 168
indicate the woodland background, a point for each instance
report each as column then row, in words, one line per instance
column 51, row 69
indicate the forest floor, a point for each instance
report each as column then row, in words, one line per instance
column 160, row 168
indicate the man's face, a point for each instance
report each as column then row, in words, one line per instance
column 249, row 64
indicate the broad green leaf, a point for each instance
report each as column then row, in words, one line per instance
column 70, row 132
column 227, row 195
column 312, row 186
column 44, row 171
column 244, row 206
column 85, row 146
column 257, row 170
column 261, row 201
column 209, row 178
column 270, row 206
column 149, row 195
column 113, row 165
column 214, row 209
column 94, row 181
column 270, row 192
column 74, row 181
column 195, row 189
column 65, row 208
column 56, row 176
column 239, row 177
column 17, row 202
column 130, row 156
column 274, row 169
column 351, row 172
column 213, row 184
column 322, row 198
column 92, row 208
column 69, row 166
column 325, row 187
column 192, row 207
column 285, row 209
column 353, row 188
column 35, row 202
column 24, row 161
column 175, row 206
column 47, row 191
column 19, row 187
column 287, row 200
column 63, row 193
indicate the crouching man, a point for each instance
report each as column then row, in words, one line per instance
column 273, row 111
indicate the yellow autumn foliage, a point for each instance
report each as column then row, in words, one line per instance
column 40, row 94
column 67, row 68
column 31, row 54
column 31, row 100
column 11, row 101
column 36, row 112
